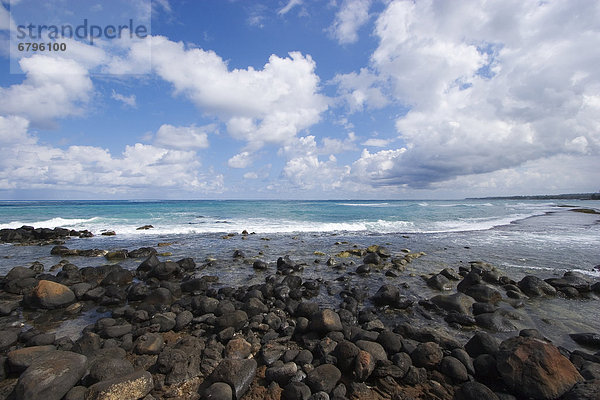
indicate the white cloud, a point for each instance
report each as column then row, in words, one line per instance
column 127, row 100
column 305, row 170
column 489, row 86
column 241, row 160
column 350, row 17
column 373, row 142
column 27, row 164
column 250, row 175
column 54, row 87
column 360, row 90
column 258, row 106
column 183, row 137
column 291, row 4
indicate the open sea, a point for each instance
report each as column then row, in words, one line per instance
column 520, row 237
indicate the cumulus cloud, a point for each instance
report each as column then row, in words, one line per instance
column 183, row 137
column 27, row 164
column 489, row 87
column 305, row 170
column 54, row 87
column 270, row 105
column 350, row 17
column 360, row 90
column 241, row 160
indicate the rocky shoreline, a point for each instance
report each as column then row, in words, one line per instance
column 170, row 329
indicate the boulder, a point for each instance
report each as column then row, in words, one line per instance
column 427, row 355
column 533, row 368
column 586, row 339
column 21, row 359
column 323, row 378
column 239, row 374
column 133, row 386
column 325, row 321
column 48, row 294
column 475, row 391
column 482, row 343
column 458, row 302
column 533, row 286
column 50, row 376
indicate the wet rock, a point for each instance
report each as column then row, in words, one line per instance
column 20, row 359
column 454, row 369
column 439, row 282
column 50, row 376
column 325, row 321
column 457, row 302
column 497, row 321
column 49, row 295
column 19, row 273
column 239, row 374
column 323, row 378
column 427, row 355
column 533, row 286
column 482, row 343
column 129, row 387
column 260, row 265
column 121, row 254
column 451, row 274
column 532, row 368
column 483, row 293
column 586, row 339
column 372, row 258
column 149, row 263
column 142, row 252
column 475, row 391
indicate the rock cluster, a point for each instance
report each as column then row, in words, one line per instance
column 30, row 235
column 172, row 331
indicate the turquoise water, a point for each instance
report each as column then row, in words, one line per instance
column 184, row 217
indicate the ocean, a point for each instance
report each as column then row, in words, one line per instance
column 520, row 237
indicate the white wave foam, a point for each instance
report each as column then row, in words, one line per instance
column 271, row 226
column 364, row 204
column 50, row 223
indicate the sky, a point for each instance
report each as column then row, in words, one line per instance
column 302, row 99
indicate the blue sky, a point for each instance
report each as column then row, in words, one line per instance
column 304, row 99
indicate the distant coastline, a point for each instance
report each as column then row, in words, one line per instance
column 568, row 196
